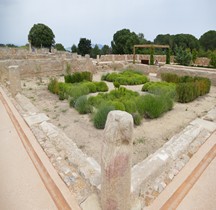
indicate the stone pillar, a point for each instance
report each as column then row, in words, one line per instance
column 113, row 58
column 14, row 78
column 98, row 58
column 116, row 161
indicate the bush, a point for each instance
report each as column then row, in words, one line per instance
column 78, row 77
column 118, row 105
column 137, row 118
column 101, row 86
column 130, row 106
column 82, row 106
column 153, row 106
column 160, row 88
column 91, row 86
column 53, row 86
column 101, row 116
column 188, row 91
column 127, row 77
column 170, row 77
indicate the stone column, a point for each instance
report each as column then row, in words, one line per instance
column 98, row 58
column 14, row 78
column 116, row 161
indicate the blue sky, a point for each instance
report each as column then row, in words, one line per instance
column 98, row 20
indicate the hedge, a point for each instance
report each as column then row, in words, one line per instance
column 188, row 88
column 78, row 77
column 127, row 77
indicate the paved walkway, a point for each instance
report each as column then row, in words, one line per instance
column 194, row 188
column 27, row 179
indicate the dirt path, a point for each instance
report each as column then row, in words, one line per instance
column 148, row 137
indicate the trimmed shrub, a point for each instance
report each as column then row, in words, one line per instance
column 118, row 105
column 101, row 86
column 78, row 77
column 130, row 106
column 127, row 77
column 101, row 116
column 53, row 86
column 137, row 118
column 91, row 86
column 153, row 106
column 160, row 88
column 170, row 77
column 82, row 105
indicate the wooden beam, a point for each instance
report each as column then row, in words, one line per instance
column 151, row 45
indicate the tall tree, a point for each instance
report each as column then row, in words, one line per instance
column 95, row 51
column 41, row 35
column 208, row 40
column 105, row 50
column 84, row 46
column 74, row 49
column 123, row 42
column 185, row 41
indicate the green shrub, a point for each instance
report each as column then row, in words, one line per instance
column 78, row 77
column 101, row 86
column 127, row 77
column 153, row 106
column 186, row 92
column 116, row 84
column 137, row 118
column 101, row 116
column 160, row 88
column 82, row 105
column 91, row 86
column 118, row 105
column 130, row 106
column 53, row 86
column 170, row 77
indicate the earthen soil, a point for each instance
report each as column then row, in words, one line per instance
column 148, row 137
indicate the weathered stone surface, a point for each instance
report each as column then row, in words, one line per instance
column 116, row 161
column 26, row 105
column 35, row 119
column 210, row 126
column 91, row 203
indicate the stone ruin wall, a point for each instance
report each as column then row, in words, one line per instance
column 41, row 63
column 139, row 57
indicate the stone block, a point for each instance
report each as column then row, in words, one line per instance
column 36, row 119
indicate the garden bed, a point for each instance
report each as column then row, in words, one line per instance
column 148, row 137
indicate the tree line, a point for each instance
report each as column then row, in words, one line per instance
column 123, row 41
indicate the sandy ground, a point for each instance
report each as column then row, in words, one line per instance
column 148, row 137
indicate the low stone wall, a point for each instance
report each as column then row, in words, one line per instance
column 177, row 69
column 129, row 57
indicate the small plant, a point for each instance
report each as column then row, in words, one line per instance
column 101, row 116
column 53, row 86
column 116, row 84
column 137, row 118
column 78, row 77
column 82, row 105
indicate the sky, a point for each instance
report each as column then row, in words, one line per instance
column 99, row 20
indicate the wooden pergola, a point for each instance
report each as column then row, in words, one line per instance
column 147, row 46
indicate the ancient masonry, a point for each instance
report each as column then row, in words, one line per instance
column 106, row 185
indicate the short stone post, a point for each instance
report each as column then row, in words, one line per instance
column 116, row 161
column 14, row 78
